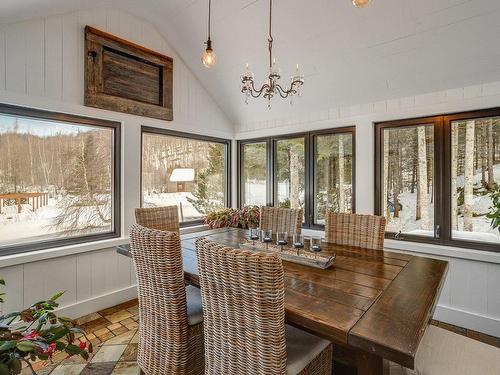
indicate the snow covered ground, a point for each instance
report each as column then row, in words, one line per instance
column 173, row 199
column 482, row 230
column 27, row 226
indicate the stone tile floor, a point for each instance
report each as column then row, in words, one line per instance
column 113, row 333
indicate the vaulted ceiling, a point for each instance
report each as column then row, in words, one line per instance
column 392, row 48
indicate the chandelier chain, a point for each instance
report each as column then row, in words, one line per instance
column 270, row 39
column 272, row 86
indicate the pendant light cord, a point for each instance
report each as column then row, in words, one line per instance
column 270, row 39
column 209, row 16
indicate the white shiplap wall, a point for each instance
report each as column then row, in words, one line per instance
column 41, row 66
column 471, row 294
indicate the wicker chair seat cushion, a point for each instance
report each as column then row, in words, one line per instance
column 194, row 305
column 301, row 349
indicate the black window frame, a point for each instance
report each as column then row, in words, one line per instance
column 197, row 137
column 309, row 159
column 68, row 119
column 442, row 176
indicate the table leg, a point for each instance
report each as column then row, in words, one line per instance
column 370, row 364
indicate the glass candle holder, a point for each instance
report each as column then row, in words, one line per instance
column 281, row 239
column 266, row 235
column 254, row 234
column 298, row 241
column 316, row 244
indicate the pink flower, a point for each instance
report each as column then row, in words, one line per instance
column 50, row 350
column 33, row 335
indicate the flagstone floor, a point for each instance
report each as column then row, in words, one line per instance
column 113, row 333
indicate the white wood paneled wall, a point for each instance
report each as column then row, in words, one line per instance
column 44, row 58
column 41, row 65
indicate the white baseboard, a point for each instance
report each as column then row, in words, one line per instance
column 477, row 322
column 101, row 302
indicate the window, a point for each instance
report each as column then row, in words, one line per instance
column 312, row 171
column 333, row 177
column 474, row 178
column 59, row 179
column 191, row 172
column 436, row 178
column 290, row 173
column 254, row 191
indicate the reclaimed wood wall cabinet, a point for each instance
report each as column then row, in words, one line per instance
column 125, row 77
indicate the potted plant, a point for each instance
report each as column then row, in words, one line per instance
column 247, row 217
column 37, row 333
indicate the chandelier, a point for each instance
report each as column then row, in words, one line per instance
column 272, row 87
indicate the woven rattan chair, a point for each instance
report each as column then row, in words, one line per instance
column 366, row 231
column 161, row 218
column 170, row 315
column 281, row 219
column 244, row 317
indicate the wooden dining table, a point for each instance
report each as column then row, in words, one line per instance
column 373, row 305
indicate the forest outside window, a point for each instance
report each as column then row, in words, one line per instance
column 312, row 171
column 191, row 172
column 333, row 174
column 254, row 173
column 59, row 179
column 438, row 178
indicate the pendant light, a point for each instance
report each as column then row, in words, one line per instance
column 361, row 3
column 209, row 59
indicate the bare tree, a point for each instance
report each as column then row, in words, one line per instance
column 423, row 200
column 491, row 156
column 341, row 174
column 386, row 174
column 469, row 175
column 454, row 166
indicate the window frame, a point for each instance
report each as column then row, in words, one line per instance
column 69, row 119
column 309, row 167
column 442, row 176
column 197, row 137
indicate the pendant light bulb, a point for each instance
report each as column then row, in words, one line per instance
column 208, row 58
column 361, row 3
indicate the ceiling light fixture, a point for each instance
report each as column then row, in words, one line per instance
column 361, row 3
column 271, row 87
column 209, row 59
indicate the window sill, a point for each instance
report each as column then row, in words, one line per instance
column 426, row 249
column 56, row 252
column 443, row 250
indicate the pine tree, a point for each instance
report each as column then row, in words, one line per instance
column 208, row 194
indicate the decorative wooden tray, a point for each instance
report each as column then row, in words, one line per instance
column 301, row 256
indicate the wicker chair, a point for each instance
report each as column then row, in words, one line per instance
column 161, row 218
column 244, row 317
column 366, row 231
column 281, row 219
column 170, row 314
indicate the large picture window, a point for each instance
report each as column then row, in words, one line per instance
column 191, row 172
column 437, row 178
column 312, row 171
column 254, row 190
column 59, row 179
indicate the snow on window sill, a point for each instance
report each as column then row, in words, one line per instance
column 426, row 249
